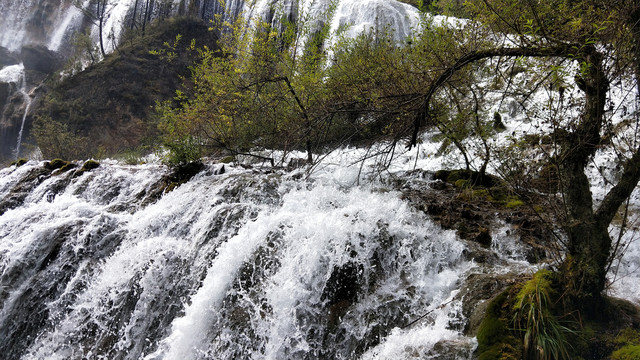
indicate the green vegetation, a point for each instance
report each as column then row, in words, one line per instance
column 267, row 88
column 544, row 336
column 287, row 87
column 495, row 340
column 629, row 342
column 108, row 108
column 18, row 162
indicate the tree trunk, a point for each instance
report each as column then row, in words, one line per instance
column 584, row 269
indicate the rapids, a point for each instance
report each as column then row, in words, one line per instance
column 236, row 263
column 245, row 263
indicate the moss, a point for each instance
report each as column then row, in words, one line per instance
column 494, row 338
column 628, row 341
column 56, row 164
column 462, row 184
column 89, row 165
column 227, row 159
column 629, row 352
column 19, row 162
column 514, row 203
column 67, row 166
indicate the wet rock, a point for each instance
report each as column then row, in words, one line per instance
column 87, row 166
column 475, row 293
column 341, row 291
column 39, row 58
column 451, row 350
column 21, row 190
column 7, row 57
column 296, row 163
column 483, row 237
column 5, row 90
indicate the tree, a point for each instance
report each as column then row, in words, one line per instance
column 265, row 90
column 601, row 38
column 98, row 13
column 258, row 90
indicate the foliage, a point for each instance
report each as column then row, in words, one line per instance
column 55, row 140
column 629, row 342
column 495, row 341
column 111, row 103
column 544, row 337
column 182, row 152
column 262, row 89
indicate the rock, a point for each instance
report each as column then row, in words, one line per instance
column 39, row 58
column 475, row 293
column 341, row 291
column 456, row 349
column 7, row 57
column 5, row 89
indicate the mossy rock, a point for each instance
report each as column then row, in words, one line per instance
column 494, row 338
column 87, row 166
column 474, row 177
column 629, row 339
column 55, row 164
column 68, row 166
column 629, row 352
column 90, row 165
column 19, row 162
column 182, row 173
column 228, row 159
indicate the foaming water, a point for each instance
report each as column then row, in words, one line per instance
column 240, row 265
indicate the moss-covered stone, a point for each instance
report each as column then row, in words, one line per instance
column 18, row 162
column 228, row 159
column 55, row 164
column 629, row 352
column 495, row 341
column 629, row 342
column 67, row 166
column 89, row 165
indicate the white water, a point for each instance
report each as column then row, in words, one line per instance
column 12, row 74
column 239, row 265
column 27, row 105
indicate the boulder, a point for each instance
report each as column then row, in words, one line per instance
column 39, row 58
column 7, row 57
column 5, row 88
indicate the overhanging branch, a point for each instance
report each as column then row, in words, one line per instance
column 562, row 50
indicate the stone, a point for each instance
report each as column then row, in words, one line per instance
column 7, row 57
column 39, row 58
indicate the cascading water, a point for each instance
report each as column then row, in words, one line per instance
column 27, row 105
column 240, row 264
column 234, row 264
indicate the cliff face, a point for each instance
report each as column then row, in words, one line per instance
column 111, row 103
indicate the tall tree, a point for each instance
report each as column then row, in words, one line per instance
column 98, row 12
column 601, row 38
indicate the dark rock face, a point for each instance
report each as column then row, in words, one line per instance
column 111, row 102
column 7, row 57
column 11, row 112
column 4, row 94
column 39, row 58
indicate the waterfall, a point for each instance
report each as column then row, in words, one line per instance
column 240, row 263
column 27, row 105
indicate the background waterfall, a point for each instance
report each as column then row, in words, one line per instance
column 40, row 35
